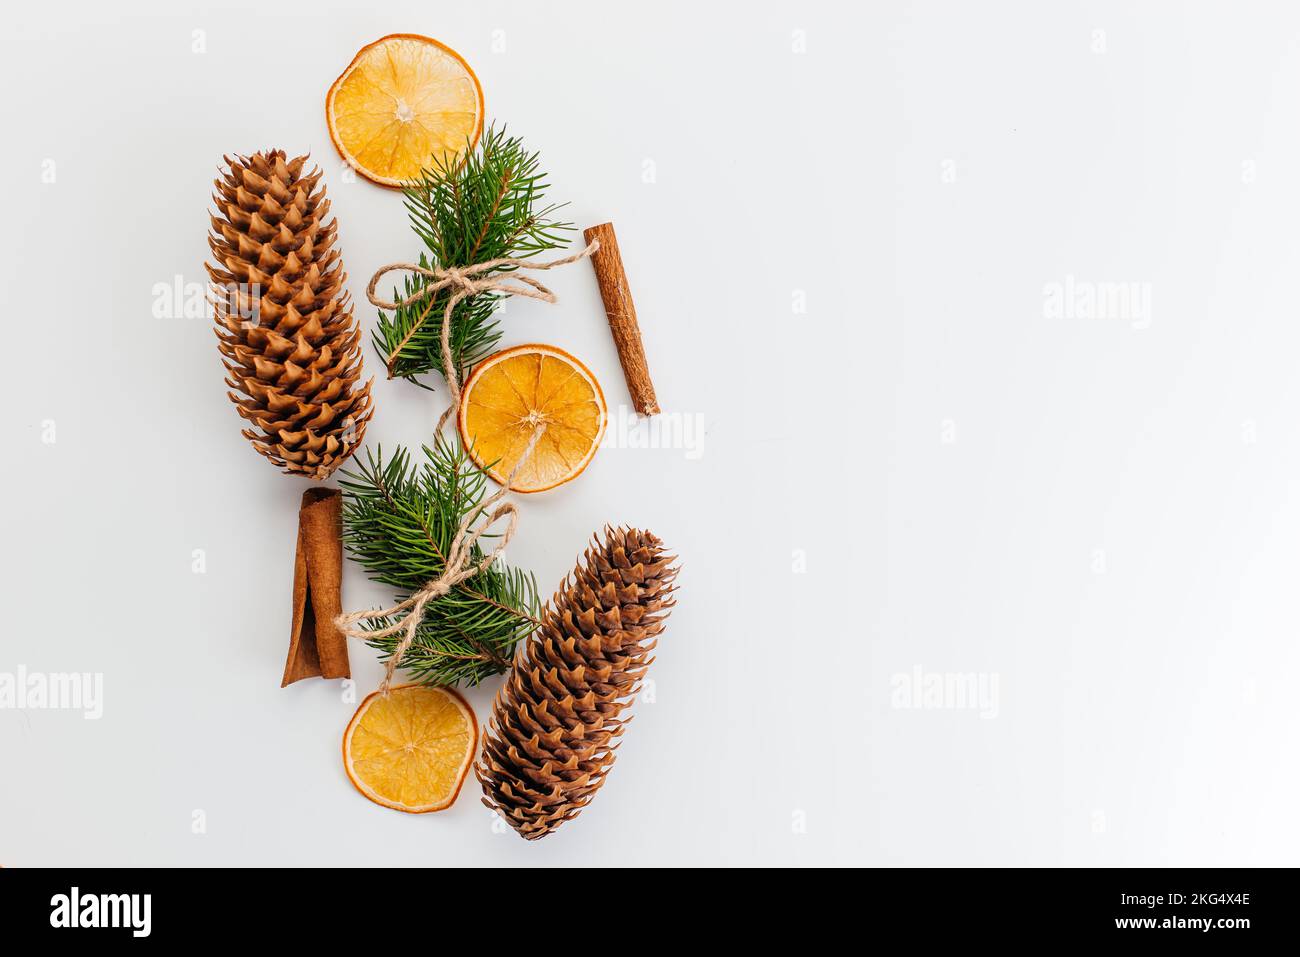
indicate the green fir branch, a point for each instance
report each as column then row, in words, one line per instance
column 399, row 522
column 489, row 206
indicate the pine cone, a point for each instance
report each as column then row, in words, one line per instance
column 288, row 338
column 555, row 722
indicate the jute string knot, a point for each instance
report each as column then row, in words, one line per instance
column 466, row 281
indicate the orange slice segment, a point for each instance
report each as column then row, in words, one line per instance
column 514, row 390
column 411, row 749
column 405, row 103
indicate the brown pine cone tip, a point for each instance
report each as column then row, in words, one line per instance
column 287, row 334
column 556, row 721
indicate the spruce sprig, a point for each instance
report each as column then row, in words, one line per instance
column 399, row 520
column 488, row 206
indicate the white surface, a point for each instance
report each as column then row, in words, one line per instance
column 1097, row 513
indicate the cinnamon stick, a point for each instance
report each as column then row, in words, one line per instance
column 316, row 646
column 621, row 314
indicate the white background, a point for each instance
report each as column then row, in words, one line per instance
column 922, row 469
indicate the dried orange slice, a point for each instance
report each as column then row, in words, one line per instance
column 405, row 103
column 411, row 748
column 509, row 393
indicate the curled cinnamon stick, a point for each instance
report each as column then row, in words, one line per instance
column 316, row 646
column 621, row 314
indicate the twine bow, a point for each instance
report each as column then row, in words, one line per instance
column 467, row 281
